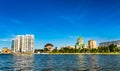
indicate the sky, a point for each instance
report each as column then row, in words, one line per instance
column 59, row 22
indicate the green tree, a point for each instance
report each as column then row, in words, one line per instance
column 112, row 47
column 46, row 50
column 55, row 50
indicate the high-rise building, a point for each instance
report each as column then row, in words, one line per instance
column 92, row 44
column 23, row 43
column 12, row 46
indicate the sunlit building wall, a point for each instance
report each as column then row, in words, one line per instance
column 92, row 44
column 23, row 43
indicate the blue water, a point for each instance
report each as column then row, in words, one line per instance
column 48, row 62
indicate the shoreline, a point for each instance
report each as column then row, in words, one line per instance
column 85, row 53
column 56, row 53
column 59, row 53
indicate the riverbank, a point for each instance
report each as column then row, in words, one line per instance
column 58, row 53
column 22, row 53
column 85, row 53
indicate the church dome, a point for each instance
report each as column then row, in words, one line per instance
column 80, row 39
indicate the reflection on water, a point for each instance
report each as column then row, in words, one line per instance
column 16, row 62
column 50, row 62
column 88, row 62
column 23, row 62
column 94, row 63
column 43, row 62
column 82, row 64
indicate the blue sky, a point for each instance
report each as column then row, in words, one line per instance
column 59, row 22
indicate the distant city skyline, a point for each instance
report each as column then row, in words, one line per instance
column 59, row 22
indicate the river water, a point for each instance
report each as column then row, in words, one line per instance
column 65, row 62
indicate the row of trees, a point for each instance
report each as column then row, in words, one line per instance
column 109, row 49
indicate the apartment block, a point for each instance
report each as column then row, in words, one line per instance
column 23, row 43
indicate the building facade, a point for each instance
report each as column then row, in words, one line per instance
column 70, row 47
column 92, row 44
column 6, row 50
column 12, row 46
column 23, row 43
column 49, row 46
column 117, row 42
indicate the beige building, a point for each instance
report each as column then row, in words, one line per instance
column 23, row 43
column 70, row 47
column 49, row 46
column 92, row 44
column 6, row 50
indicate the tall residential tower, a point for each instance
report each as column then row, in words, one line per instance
column 23, row 43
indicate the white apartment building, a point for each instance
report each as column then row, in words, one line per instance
column 23, row 43
column 110, row 42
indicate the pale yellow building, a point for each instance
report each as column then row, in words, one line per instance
column 92, row 44
column 6, row 50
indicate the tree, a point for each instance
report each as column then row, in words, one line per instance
column 55, row 50
column 112, row 47
column 46, row 50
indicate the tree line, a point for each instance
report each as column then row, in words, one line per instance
column 106, row 49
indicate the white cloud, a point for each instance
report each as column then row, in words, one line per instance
column 6, row 39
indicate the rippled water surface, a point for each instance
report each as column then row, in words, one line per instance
column 47, row 62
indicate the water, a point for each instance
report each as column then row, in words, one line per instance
column 47, row 62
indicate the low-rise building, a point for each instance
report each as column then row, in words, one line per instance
column 70, row 47
column 6, row 50
column 49, row 46
column 117, row 42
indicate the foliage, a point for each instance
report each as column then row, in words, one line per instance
column 55, row 50
column 109, row 49
column 38, row 50
column 46, row 50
